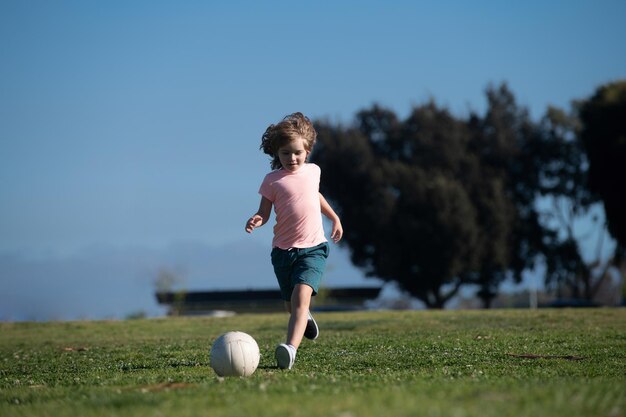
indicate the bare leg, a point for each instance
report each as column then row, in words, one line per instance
column 299, row 309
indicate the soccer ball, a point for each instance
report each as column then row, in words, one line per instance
column 235, row 354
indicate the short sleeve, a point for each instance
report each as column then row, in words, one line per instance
column 318, row 175
column 267, row 190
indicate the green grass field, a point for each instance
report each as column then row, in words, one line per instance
column 414, row 363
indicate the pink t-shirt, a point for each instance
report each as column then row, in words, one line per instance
column 296, row 200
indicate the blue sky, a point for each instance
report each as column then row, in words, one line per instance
column 129, row 130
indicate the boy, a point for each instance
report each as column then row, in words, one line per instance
column 300, row 248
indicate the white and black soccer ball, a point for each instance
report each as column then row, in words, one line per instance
column 235, row 354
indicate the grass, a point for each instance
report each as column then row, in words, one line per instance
column 414, row 363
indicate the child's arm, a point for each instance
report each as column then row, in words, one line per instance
column 328, row 211
column 261, row 217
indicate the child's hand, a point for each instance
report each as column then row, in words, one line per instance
column 254, row 222
column 337, row 232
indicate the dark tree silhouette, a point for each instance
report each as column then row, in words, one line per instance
column 435, row 202
column 603, row 134
column 417, row 207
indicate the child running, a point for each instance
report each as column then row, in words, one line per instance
column 300, row 248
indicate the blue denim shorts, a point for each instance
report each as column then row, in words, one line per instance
column 299, row 266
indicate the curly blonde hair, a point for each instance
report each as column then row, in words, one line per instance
column 293, row 126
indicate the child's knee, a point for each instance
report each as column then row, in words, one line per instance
column 303, row 290
column 301, row 295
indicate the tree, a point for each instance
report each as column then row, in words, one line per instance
column 416, row 205
column 539, row 162
column 564, row 174
column 506, row 144
column 435, row 202
column 603, row 134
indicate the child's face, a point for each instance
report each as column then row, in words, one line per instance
column 293, row 155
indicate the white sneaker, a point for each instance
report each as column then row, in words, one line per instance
column 285, row 356
column 311, row 331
